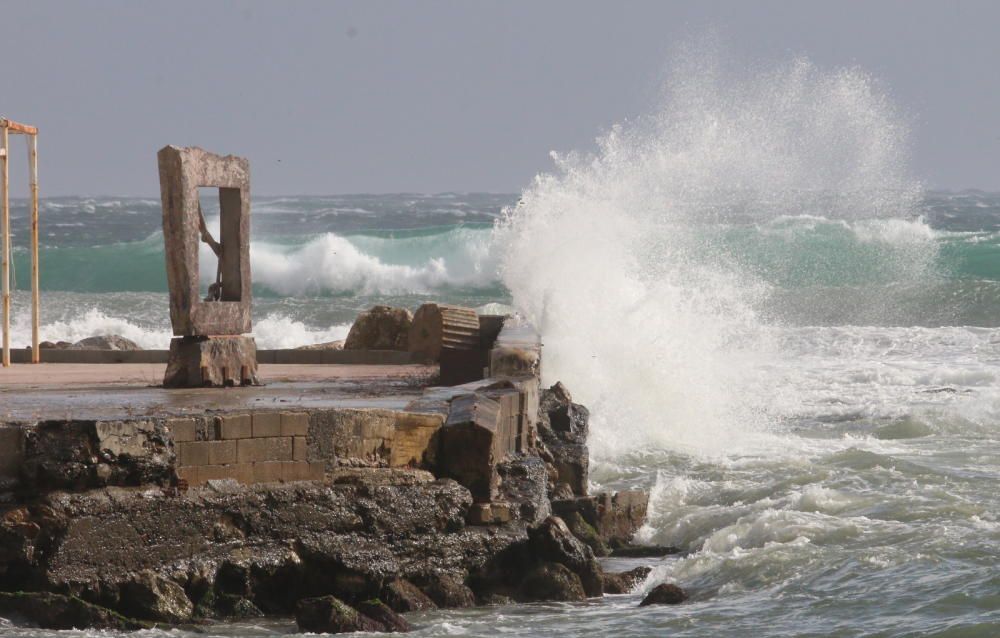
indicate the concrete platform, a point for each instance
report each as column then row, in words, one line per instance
column 82, row 391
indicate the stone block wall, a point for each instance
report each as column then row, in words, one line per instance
column 260, row 447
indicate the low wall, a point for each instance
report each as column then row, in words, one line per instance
column 355, row 357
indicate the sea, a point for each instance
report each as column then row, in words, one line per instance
column 783, row 335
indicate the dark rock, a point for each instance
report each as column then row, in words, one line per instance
column 664, row 594
column 55, row 611
column 495, row 600
column 151, row 597
column 563, row 427
column 625, row 582
column 382, row 614
column 587, row 533
column 562, row 491
column 85, row 454
column 381, row 328
column 330, row 615
column 644, row 551
column 58, row 345
column 237, row 607
column 105, row 342
column 620, row 516
column 551, row 581
column 403, row 596
column 524, row 483
column 447, row 591
column 552, row 541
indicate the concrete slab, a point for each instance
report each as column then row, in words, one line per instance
column 80, row 391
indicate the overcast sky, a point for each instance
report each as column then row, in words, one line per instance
column 349, row 97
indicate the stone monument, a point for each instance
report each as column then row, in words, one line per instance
column 210, row 346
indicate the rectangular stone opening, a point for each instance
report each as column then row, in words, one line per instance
column 224, row 204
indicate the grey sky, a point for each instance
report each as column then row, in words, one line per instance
column 346, row 97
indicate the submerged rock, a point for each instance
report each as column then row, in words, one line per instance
column 403, row 596
column 381, row 328
column 664, row 594
column 644, row 551
column 382, row 614
column 552, row 581
column 447, row 591
column 330, row 615
column 625, row 582
column 152, row 597
column 55, row 611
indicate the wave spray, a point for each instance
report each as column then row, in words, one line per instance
column 624, row 258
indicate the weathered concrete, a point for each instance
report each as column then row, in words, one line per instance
column 211, row 361
column 207, row 352
column 182, row 172
column 438, row 327
column 380, row 328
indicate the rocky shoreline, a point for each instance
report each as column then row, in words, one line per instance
column 476, row 494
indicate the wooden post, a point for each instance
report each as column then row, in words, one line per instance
column 5, row 221
column 35, row 301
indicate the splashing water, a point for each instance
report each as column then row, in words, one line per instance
column 629, row 259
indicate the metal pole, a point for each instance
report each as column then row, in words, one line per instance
column 35, row 301
column 5, row 275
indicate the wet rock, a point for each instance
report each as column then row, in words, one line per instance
column 552, row 541
column 85, row 454
column 105, row 342
column 55, row 611
column 563, row 427
column 551, row 581
column 403, row 596
column 382, row 614
column 447, row 591
column 381, row 328
column 644, row 551
column 152, row 597
column 587, row 533
column 524, row 483
column 664, row 594
column 330, row 615
column 625, row 582
column 620, row 516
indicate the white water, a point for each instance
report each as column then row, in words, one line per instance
column 654, row 325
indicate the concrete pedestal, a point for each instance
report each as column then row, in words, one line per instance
column 211, row 361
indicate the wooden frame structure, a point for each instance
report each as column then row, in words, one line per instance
column 6, row 128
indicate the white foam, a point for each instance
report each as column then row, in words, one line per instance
column 653, row 327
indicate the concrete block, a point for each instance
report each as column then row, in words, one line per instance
column 221, row 452
column 183, row 430
column 414, row 443
column 188, row 474
column 215, row 472
column 317, row 470
column 195, row 362
column 268, row 471
column 193, row 453
column 471, row 445
column 243, row 472
column 264, row 450
column 266, row 424
column 296, row 471
column 233, row 427
column 182, row 172
column 294, row 423
column 300, row 448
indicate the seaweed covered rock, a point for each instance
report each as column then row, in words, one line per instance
column 403, row 596
column 381, row 328
column 382, row 614
column 152, row 597
column 55, row 611
column 551, row 581
column 553, row 541
column 330, row 615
